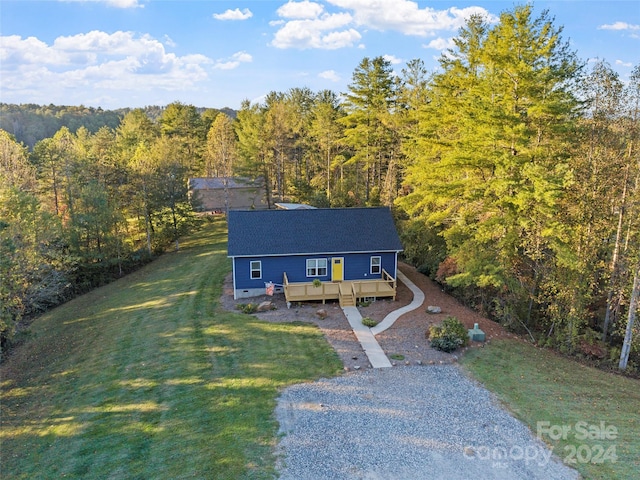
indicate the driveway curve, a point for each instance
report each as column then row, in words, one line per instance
column 424, row 422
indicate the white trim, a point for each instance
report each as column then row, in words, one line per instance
column 312, row 254
column 251, row 270
column 379, row 272
column 317, row 267
column 233, row 270
column 395, row 274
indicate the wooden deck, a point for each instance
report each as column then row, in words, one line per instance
column 347, row 292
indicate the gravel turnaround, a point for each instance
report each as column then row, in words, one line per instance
column 422, row 422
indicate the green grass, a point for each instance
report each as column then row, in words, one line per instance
column 148, row 378
column 540, row 386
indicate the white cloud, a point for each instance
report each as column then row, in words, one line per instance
column 14, row 50
column 97, row 61
column 325, row 32
column 624, row 64
column 336, row 40
column 234, row 14
column 393, row 60
column 330, row 75
column 234, row 61
column 300, row 10
column 407, row 17
column 306, row 24
column 112, row 3
column 441, row 44
column 619, row 26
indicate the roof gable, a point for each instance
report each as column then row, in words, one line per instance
column 323, row 230
column 218, row 183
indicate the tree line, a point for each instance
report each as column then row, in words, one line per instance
column 512, row 170
column 30, row 123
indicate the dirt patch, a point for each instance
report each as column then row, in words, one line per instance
column 404, row 343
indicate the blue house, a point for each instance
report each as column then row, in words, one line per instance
column 314, row 254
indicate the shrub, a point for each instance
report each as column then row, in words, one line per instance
column 449, row 335
column 317, row 282
column 247, row 307
column 369, row 322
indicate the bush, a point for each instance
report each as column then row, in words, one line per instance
column 449, row 335
column 369, row 322
column 247, row 307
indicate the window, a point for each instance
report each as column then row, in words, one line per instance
column 376, row 265
column 256, row 269
column 316, row 267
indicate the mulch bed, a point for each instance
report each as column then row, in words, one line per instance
column 404, row 343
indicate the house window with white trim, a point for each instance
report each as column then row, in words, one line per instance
column 316, row 267
column 376, row 265
column 256, row 269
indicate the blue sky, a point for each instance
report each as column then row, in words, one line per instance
column 216, row 53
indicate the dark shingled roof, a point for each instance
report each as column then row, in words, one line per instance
column 323, row 230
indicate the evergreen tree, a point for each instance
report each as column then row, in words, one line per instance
column 491, row 167
column 369, row 103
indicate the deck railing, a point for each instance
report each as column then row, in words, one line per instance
column 302, row 291
column 308, row 291
column 376, row 288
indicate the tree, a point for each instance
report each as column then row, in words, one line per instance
column 491, row 168
column 327, row 132
column 633, row 308
column 600, row 183
column 183, row 125
column 253, row 149
column 31, row 277
column 141, row 188
column 369, row 103
column 280, row 139
column 136, row 128
column 631, row 205
column 221, row 148
column 170, row 192
column 15, row 169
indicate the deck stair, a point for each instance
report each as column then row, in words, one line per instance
column 347, row 296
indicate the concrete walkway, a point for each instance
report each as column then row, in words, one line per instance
column 371, row 347
column 418, row 300
column 366, row 335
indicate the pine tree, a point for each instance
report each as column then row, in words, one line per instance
column 491, row 167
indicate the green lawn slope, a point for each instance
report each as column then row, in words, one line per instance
column 148, row 378
column 589, row 417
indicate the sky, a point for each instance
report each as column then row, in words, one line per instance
column 217, row 53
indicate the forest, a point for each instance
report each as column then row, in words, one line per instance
column 513, row 173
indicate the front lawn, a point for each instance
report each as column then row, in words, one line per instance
column 148, row 378
column 591, row 418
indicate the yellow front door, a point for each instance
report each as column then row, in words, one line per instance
column 337, row 269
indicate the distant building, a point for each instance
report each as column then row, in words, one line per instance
column 293, row 206
column 216, row 194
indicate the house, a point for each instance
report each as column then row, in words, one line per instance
column 219, row 194
column 314, row 254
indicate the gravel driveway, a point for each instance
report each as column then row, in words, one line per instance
column 423, row 422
